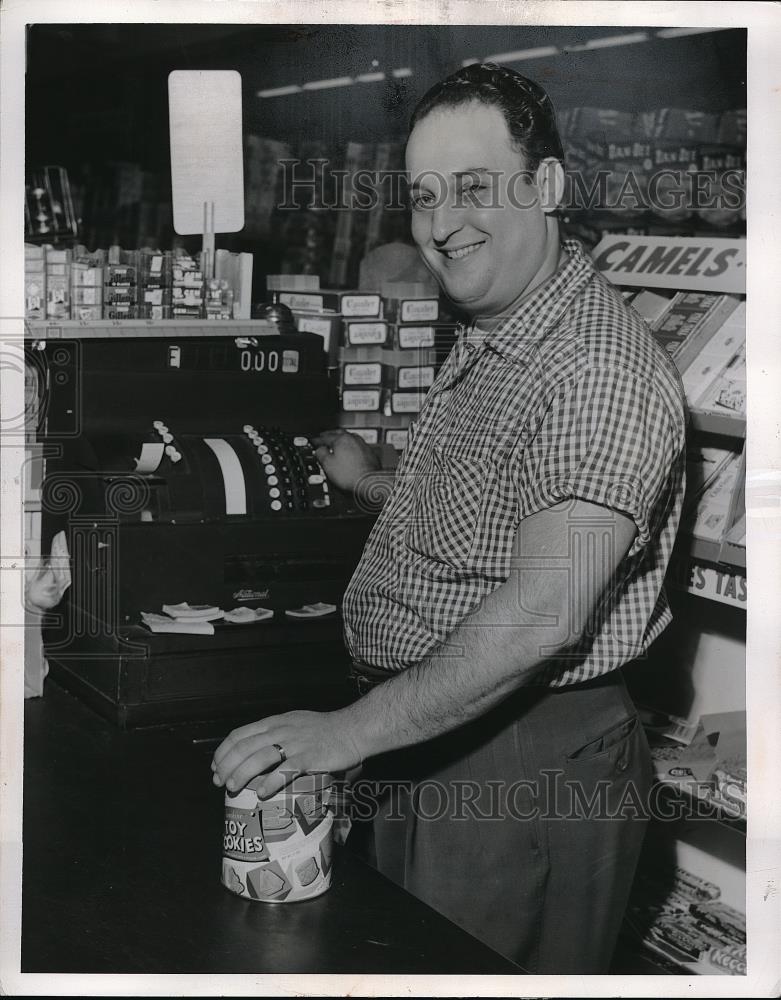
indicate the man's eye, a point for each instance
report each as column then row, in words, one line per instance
column 422, row 200
column 473, row 190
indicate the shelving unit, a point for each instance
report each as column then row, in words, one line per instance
column 123, row 329
column 713, row 570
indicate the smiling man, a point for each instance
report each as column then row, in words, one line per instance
column 517, row 564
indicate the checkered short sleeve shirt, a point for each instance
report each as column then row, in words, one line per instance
column 568, row 397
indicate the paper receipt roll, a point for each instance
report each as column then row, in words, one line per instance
column 150, row 458
column 232, row 475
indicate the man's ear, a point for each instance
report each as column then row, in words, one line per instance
column 550, row 184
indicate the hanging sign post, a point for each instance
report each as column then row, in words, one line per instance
column 207, row 166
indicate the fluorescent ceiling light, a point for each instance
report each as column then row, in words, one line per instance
column 369, row 77
column 398, row 73
column 338, row 81
column 679, row 32
column 521, row 54
column 610, row 40
column 279, row 91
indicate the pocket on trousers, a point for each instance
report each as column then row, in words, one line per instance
column 609, row 742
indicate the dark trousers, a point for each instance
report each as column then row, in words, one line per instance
column 524, row 827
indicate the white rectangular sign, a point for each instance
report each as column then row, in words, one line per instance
column 207, row 163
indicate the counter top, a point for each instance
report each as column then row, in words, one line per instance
column 122, row 856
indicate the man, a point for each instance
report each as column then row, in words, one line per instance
column 517, row 563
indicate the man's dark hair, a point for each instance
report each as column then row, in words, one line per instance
column 527, row 109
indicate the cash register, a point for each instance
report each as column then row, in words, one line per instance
column 183, row 473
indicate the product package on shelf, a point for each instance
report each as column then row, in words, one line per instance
column 234, row 272
column 661, row 171
column 156, row 284
column 682, row 915
column 58, row 281
column 218, row 299
column 120, row 284
column 365, row 333
column 362, row 400
column 703, row 464
column 187, row 288
column 396, row 437
column 378, row 428
column 727, row 392
column 410, row 302
column 712, row 767
column 417, row 336
column 387, row 367
column 353, row 303
column 315, row 310
column 407, row 401
column 724, row 167
column 708, row 519
column 34, row 282
column 687, row 322
column 87, row 287
column 325, row 325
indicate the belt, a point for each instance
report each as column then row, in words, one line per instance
column 365, row 677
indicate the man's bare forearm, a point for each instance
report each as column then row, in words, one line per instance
column 485, row 660
column 534, row 617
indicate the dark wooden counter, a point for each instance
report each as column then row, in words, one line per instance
column 122, row 853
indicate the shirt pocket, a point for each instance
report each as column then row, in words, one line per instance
column 448, row 500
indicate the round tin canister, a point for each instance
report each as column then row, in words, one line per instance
column 279, row 850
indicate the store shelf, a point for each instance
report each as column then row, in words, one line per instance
column 711, row 580
column 166, row 328
column 718, row 423
column 720, row 554
column 702, row 808
column 655, row 954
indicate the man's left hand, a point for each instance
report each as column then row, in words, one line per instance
column 313, row 742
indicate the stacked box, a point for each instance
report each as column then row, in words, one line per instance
column 236, row 270
column 410, row 302
column 690, row 319
column 218, row 300
column 365, row 332
column 325, row 325
column 390, row 369
column 301, row 294
column 187, row 288
column 396, row 357
column 363, row 374
column 34, row 282
column 58, row 279
column 348, row 304
column 87, row 284
column 156, row 284
column 86, row 291
column 120, row 284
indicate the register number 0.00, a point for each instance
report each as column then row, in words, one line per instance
column 271, row 361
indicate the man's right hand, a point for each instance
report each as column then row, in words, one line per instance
column 345, row 458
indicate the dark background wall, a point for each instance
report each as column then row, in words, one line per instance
column 97, row 99
column 101, row 90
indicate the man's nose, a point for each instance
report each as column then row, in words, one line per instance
column 447, row 220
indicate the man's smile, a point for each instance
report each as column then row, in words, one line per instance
column 457, row 253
